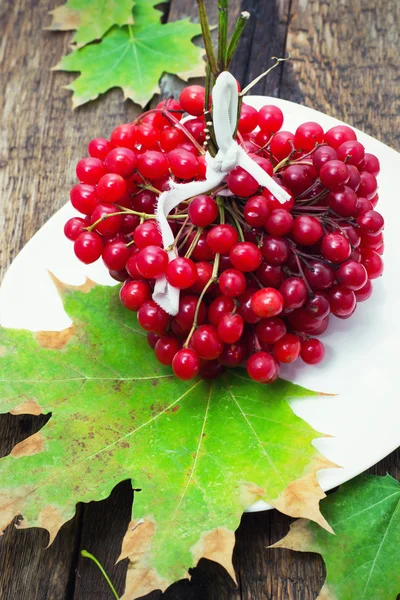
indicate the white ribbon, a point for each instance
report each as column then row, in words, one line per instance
column 229, row 156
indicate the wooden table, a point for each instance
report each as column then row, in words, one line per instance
column 345, row 62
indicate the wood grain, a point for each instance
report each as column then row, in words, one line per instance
column 345, row 63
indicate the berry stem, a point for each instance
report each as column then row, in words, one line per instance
column 213, row 279
column 205, row 28
column 257, row 79
column 237, row 33
column 296, row 256
column 222, row 33
column 86, row 554
column 194, row 242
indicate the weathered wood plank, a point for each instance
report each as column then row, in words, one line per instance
column 346, row 62
column 40, row 143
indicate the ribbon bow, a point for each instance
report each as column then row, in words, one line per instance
column 229, row 156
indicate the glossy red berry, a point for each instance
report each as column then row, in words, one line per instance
column 191, row 100
column 181, row 273
column 88, row 247
column 230, row 328
column 147, row 234
column 166, row 348
column 312, row 351
column 152, row 317
column 121, row 161
column 262, row 367
column 100, row 147
column 245, row 257
column 203, row 210
column 232, row 283
column 270, row 118
column 186, row 364
column 287, row 348
column 134, row 294
column 221, row 238
column 206, row 343
column 267, row 302
column 152, row 262
column 111, row 187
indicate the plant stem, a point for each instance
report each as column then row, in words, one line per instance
column 205, row 28
column 194, row 242
column 106, row 577
column 222, row 33
column 213, row 279
column 257, row 79
column 237, row 32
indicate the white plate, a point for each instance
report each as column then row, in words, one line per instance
column 362, row 352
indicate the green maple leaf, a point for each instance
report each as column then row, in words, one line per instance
column 91, row 18
column 200, row 452
column 363, row 558
column 134, row 57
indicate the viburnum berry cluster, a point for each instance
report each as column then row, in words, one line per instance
column 258, row 279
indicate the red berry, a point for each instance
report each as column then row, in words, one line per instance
column 342, row 301
column 192, row 100
column 100, row 147
column 196, row 127
column 181, row 273
column 84, row 198
column 282, row 144
column 248, row 119
column 206, row 343
column 274, row 203
column 334, row 174
column 232, row 283
column 90, row 170
column 270, row 119
column 371, row 222
column 171, row 138
column 221, row 238
column 134, row 294
column 368, row 185
column 88, row 247
column 245, row 257
column 339, row 134
column 115, row 255
column 365, row 292
column 256, row 211
column 299, row 178
column 241, row 183
column 372, row 262
column 308, row 135
column 352, row 275
column 262, row 367
column 166, row 348
column 147, row 234
column 152, row 317
column 203, row 210
column 153, row 165
column 230, row 328
column 183, row 164
column 152, row 262
column 319, row 275
column 186, row 364
column 287, row 348
column 187, row 310
column 123, row 135
column 73, row 227
column 279, row 223
column 352, row 152
column 122, row 161
column 371, row 164
column 111, row 187
column 323, row 155
column 275, row 250
column 335, row 247
column 294, row 292
column 312, row 351
column 267, row 302
column 343, row 201
column 270, row 330
column 306, row 230
column 219, row 307
column 203, row 275
column 108, row 225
